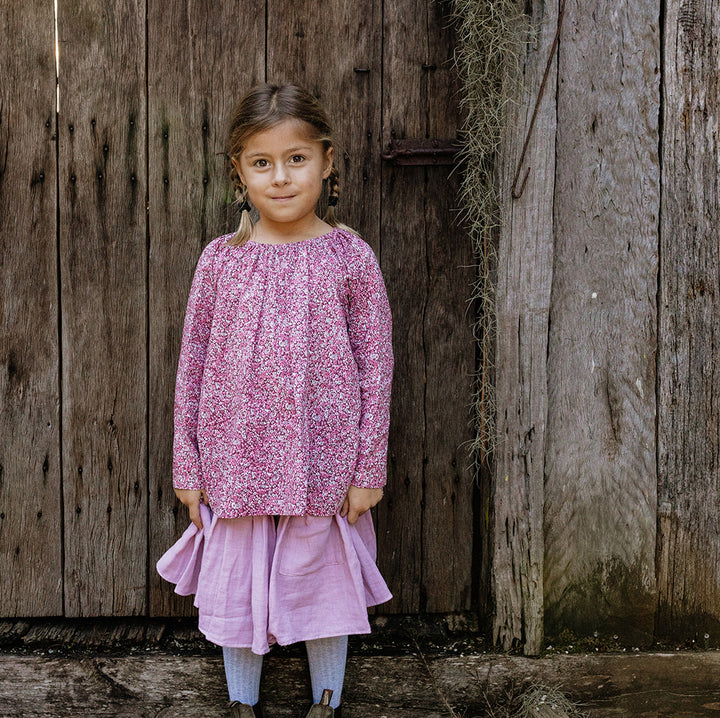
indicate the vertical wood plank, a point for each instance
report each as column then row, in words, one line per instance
column 30, row 507
column 103, row 273
column 399, row 516
column 343, row 72
column 600, row 471
column 404, row 263
column 217, row 53
column 689, row 378
column 426, row 522
column 448, row 343
column 525, row 257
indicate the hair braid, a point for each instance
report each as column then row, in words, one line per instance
column 334, row 184
column 333, row 197
column 244, row 231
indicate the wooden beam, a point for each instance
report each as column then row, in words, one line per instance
column 600, row 462
column 524, row 278
column 689, row 375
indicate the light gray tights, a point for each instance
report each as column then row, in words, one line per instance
column 326, row 657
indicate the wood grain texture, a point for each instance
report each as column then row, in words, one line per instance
column 689, row 376
column 449, row 346
column 147, row 685
column 524, row 278
column 334, row 52
column 194, row 83
column 425, row 523
column 187, row 687
column 30, row 496
column 600, row 469
column 103, row 272
column 404, row 265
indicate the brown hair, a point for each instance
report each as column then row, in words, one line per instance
column 262, row 108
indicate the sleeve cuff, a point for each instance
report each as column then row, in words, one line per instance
column 369, row 481
column 188, row 484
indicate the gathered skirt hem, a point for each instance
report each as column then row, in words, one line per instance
column 256, row 584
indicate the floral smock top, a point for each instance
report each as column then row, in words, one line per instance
column 283, row 386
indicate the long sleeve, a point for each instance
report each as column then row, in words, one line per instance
column 187, row 471
column 370, row 332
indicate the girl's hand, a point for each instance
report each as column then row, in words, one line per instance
column 358, row 501
column 192, row 499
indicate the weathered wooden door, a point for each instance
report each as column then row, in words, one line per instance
column 606, row 486
column 104, row 209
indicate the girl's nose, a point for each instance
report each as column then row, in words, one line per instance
column 280, row 175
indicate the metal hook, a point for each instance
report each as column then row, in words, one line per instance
column 517, row 193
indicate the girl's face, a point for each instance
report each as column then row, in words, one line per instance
column 283, row 170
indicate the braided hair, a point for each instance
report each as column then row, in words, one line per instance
column 260, row 109
column 244, row 231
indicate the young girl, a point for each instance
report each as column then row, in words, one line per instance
column 282, row 411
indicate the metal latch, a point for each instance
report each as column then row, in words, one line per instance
column 422, row 152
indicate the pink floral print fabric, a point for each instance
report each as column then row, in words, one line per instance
column 283, row 387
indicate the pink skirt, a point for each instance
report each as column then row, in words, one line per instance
column 255, row 584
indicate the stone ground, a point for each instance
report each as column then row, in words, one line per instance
column 143, row 669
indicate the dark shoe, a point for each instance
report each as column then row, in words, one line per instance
column 242, row 710
column 323, row 709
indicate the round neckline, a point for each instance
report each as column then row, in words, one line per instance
column 294, row 243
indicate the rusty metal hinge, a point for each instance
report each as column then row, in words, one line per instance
column 422, row 152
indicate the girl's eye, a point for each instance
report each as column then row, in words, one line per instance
column 297, row 159
column 261, row 163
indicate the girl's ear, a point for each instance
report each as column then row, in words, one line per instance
column 329, row 159
column 236, row 164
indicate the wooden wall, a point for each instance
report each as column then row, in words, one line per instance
column 606, row 481
column 605, row 489
column 104, row 210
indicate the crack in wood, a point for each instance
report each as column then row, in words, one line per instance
column 117, row 689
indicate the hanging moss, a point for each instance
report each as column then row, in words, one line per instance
column 486, row 57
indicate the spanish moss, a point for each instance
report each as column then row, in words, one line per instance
column 486, row 57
